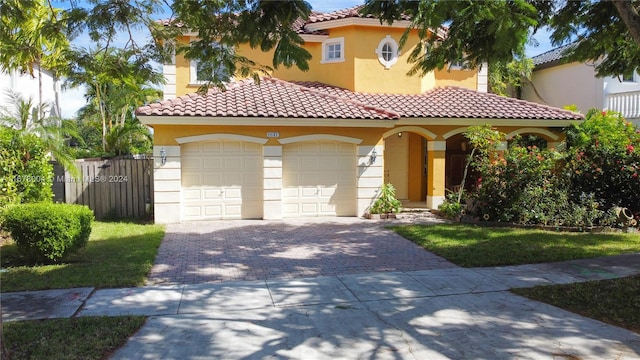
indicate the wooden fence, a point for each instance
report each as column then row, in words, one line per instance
column 113, row 188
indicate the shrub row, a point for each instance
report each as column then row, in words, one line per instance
column 579, row 186
column 47, row 232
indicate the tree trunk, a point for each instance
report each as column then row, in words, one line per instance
column 630, row 17
column 57, row 96
column 464, row 177
column 103, row 118
column 40, row 107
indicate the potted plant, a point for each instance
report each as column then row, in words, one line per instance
column 386, row 205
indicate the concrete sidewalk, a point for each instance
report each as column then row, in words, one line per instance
column 430, row 314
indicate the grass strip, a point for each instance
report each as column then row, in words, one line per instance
column 478, row 246
column 615, row 301
column 118, row 254
column 77, row 338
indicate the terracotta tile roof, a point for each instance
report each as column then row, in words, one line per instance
column 299, row 26
column 552, row 55
column 353, row 12
column 277, row 98
column 270, row 98
column 314, row 17
column 452, row 102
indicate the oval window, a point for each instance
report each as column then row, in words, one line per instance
column 387, row 52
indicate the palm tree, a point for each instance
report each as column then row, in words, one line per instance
column 26, row 117
column 33, row 37
column 115, row 85
column 130, row 138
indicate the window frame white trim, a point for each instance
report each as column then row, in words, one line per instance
column 325, row 54
column 193, row 73
column 394, row 48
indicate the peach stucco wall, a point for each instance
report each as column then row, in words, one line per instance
column 360, row 71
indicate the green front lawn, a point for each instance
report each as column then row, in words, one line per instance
column 616, row 301
column 77, row 338
column 118, row 255
column 613, row 301
column 476, row 246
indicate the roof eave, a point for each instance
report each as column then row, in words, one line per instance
column 332, row 24
column 263, row 121
column 482, row 121
column 310, row 38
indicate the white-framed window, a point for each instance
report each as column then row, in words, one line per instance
column 198, row 71
column 333, row 50
column 387, row 52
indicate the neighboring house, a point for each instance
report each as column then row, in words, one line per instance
column 28, row 87
column 557, row 83
column 320, row 143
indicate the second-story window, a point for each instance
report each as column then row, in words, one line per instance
column 387, row 52
column 216, row 62
column 333, row 50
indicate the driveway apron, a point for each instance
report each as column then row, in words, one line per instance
column 219, row 251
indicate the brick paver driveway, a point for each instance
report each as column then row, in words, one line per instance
column 217, row 251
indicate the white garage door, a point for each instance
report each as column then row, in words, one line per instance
column 221, row 180
column 319, row 179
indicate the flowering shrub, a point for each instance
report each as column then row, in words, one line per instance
column 529, row 185
column 603, row 159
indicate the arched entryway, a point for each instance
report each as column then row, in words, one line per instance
column 458, row 151
column 406, row 162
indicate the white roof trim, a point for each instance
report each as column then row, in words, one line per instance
column 332, row 24
column 294, row 139
column 220, row 136
column 313, row 37
column 495, row 122
column 262, row 121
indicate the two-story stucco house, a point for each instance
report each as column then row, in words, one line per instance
column 556, row 82
column 322, row 142
column 28, row 86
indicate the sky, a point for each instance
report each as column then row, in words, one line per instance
column 73, row 99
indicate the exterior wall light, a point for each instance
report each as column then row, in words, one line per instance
column 163, row 156
column 373, row 157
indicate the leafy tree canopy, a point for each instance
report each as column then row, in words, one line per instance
column 495, row 32
column 607, row 32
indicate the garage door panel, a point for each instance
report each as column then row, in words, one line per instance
column 213, row 211
column 210, row 164
column 222, row 180
column 327, row 192
column 290, row 192
column 308, row 192
column 191, row 211
column 310, row 209
column 212, row 194
column 189, row 194
column 191, row 163
column 314, row 174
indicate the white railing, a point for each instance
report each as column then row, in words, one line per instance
column 626, row 103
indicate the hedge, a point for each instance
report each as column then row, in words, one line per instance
column 46, row 232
